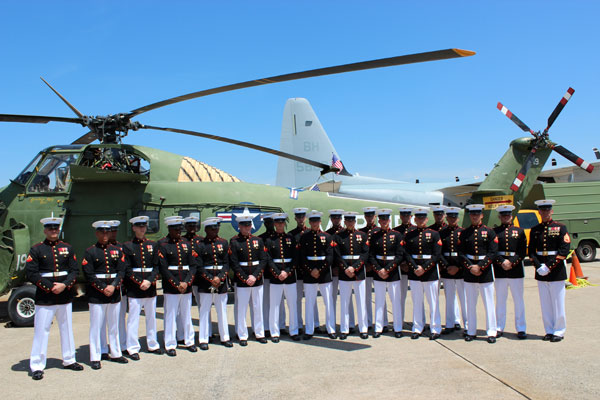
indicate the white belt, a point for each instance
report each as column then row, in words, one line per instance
column 507, row 253
column 349, row 257
column 282, row 260
column 451, row 254
column 475, row 258
column 246, row 264
column 176, row 267
column 421, row 256
column 53, row 274
column 546, row 253
column 141, row 269
column 213, row 267
column 106, row 276
column 386, row 258
column 315, row 258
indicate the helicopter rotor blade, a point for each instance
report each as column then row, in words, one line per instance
column 86, row 139
column 574, row 158
column 37, row 119
column 514, row 118
column 324, row 167
column 383, row 62
column 523, row 172
column 76, row 111
column 559, row 108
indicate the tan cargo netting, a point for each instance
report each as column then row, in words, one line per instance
column 195, row 171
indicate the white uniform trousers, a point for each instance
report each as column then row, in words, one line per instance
column 174, row 304
column 276, row 302
column 311, row 303
column 472, row 291
column 196, row 294
column 244, row 294
column 41, row 331
column 267, row 306
column 393, row 288
column 430, row 290
column 334, row 295
column 133, row 323
column 346, row 305
column 516, row 289
column 452, row 287
column 552, row 300
column 180, row 324
column 404, row 293
column 299, row 297
column 206, row 302
column 123, row 322
column 371, row 304
column 99, row 313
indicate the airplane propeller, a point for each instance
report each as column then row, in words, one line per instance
column 112, row 128
column 541, row 140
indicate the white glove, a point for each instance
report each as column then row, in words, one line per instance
column 543, row 270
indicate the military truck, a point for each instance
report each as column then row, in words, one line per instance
column 577, row 206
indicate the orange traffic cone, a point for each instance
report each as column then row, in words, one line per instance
column 572, row 277
column 577, row 266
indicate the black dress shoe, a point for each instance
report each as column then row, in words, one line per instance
column 343, row 336
column 351, row 330
column 521, row 335
column 243, row 343
column 499, row 334
column 376, row 335
column 556, row 338
column 547, row 337
column 134, row 356
column 275, row 339
column 96, row 365
column 262, row 340
column 398, row 334
column 307, row 336
column 74, row 367
column 227, row 344
column 491, row 339
column 120, row 360
column 192, row 348
column 319, row 330
column 457, row 327
column 171, row 353
column 386, row 329
column 415, row 335
column 283, row 332
column 158, row 351
column 332, row 335
column 181, row 343
column 37, row 375
column 447, row 331
column 203, row 346
column 296, row 338
column 434, row 336
column 469, row 338
column 364, row 335
column 267, row 333
column 104, row 356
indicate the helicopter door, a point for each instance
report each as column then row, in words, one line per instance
column 14, row 247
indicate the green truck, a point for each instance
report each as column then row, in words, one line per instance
column 577, row 206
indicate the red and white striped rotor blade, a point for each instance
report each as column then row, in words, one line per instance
column 559, row 107
column 580, row 162
column 514, row 118
column 516, row 185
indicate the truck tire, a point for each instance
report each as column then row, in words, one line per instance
column 21, row 305
column 586, row 251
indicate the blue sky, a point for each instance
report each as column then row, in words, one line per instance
column 429, row 121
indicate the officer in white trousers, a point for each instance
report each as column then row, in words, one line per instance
column 140, row 280
column 549, row 244
column 104, row 268
column 478, row 248
column 211, row 282
column 114, row 231
column 405, row 226
column 52, row 268
column 509, row 271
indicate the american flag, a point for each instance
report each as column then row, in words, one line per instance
column 315, row 188
column 337, row 163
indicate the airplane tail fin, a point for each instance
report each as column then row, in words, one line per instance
column 302, row 134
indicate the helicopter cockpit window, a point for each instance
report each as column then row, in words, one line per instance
column 28, row 171
column 153, row 225
column 53, row 175
column 115, row 159
column 189, row 213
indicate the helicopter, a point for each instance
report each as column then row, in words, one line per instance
column 83, row 182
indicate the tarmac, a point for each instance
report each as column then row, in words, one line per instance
column 382, row 368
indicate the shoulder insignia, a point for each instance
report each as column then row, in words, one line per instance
column 29, row 259
column 333, row 244
column 84, row 262
column 439, row 242
column 496, row 239
column 194, row 253
column 567, row 238
column 160, row 254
